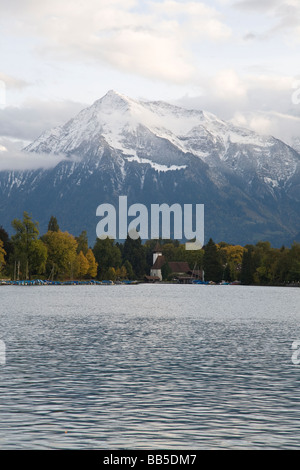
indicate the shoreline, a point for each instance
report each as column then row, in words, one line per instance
column 40, row 282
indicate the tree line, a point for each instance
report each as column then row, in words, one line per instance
column 58, row 255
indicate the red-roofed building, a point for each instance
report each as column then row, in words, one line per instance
column 179, row 269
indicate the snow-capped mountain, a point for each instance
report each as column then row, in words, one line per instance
column 126, row 125
column 296, row 144
column 157, row 152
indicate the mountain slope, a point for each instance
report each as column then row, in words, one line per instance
column 154, row 153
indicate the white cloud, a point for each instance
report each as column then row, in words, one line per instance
column 13, row 82
column 152, row 56
column 152, row 41
column 282, row 126
column 194, row 19
column 12, row 157
column 227, row 84
column 258, row 102
column 145, row 45
column 285, row 13
column 28, row 121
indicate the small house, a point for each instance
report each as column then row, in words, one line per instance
column 179, row 269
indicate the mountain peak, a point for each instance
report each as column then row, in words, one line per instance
column 155, row 151
column 114, row 93
column 151, row 130
column 114, row 99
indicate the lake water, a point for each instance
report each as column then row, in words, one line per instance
column 149, row 367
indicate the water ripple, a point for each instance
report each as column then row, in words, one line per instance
column 147, row 367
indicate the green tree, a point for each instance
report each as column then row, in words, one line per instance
column 28, row 249
column 107, row 255
column 53, row 225
column 169, row 250
column 294, row 263
column 267, row 271
column 228, row 273
column 247, row 271
column 38, row 257
column 194, row 258
column 129, row 270
column 135, row 253
column 166, row 271
column 213, row 269
column 82, row 243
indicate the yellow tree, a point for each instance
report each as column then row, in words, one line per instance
column 234, row 253
column 111, row 274
column 121, row 273
column 2, row 255
column 81, row 266
column 93, row 265
column 62, row 254
column 232, row 256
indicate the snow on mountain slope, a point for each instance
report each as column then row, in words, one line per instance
column 117, row 118
column 158, row 152
column 163, row 135
column 296, row 144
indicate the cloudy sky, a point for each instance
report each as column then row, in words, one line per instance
column 236, row 58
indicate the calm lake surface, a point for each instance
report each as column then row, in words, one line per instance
column 149, row 367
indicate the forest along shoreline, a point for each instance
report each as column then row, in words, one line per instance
column 60, row 258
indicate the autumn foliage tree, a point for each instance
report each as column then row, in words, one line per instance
column 93, row 265
column 7, row 243
column 62, row 254
column 2, row 255
column 231, row 256
column 81, row 266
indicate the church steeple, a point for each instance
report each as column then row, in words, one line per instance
column 157, row 252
